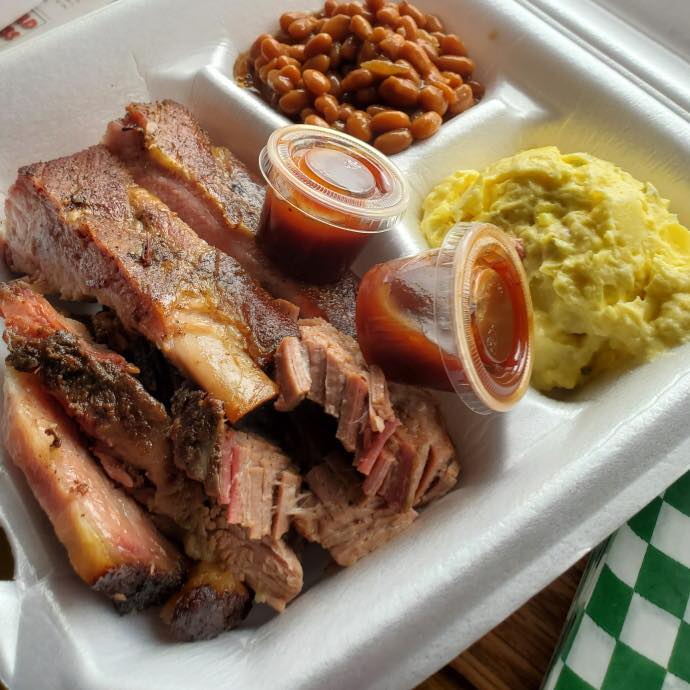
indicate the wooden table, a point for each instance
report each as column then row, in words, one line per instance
column 513, row 656
column 516, row 654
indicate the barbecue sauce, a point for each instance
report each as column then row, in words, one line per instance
column 326, row 198
column 399, row 330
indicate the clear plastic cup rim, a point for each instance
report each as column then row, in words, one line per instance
column 380, row 213
column 462, row 245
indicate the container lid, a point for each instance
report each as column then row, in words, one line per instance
column 338, row 174
column 648, row 40
column 482, row 303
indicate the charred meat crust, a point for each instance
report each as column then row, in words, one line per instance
column 336, row 303
column 197, row 434
column 160, row 378
column 203, row 613
column 169, row 154
column 98, row 391
column 135, row 587
column 210, row 602
column 128, row 241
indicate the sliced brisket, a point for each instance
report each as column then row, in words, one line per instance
column 263, row 485
column 240, row 469
column 396, row 433
column 340, row 517
column 425, row 466
column 327, row 367
column 267, row 565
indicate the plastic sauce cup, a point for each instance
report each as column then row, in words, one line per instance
column 455, row 318
column 328, row 195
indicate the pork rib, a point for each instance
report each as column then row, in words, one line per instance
column 111, row 543
column 169, row 154
column 81, row 226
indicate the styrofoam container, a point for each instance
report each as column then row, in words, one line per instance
column 541, row 485
column 13, row 9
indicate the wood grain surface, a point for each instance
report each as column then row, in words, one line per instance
column 513, row 656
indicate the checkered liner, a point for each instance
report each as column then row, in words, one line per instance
column 629, row 628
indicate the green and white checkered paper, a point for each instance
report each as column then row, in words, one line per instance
column 629, row 628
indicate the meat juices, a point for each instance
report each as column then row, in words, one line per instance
column 168, row 153
column 111, row 543
column 81, row 226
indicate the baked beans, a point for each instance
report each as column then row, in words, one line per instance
column 426, row 125
column 359, row 125
column 395, row 141
column 383, row 71
column 388, row 120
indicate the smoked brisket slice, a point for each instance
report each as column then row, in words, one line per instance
column 426, row 441
column 169, row 154
column 111, row 543
column 326, row 366
column 340, row 517
column 83, row 228
column 263, row 486
column 268, row 565
column 240, row 469
column 423, row 465
column 396, row 432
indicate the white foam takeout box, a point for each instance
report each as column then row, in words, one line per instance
column 540, row 485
